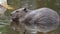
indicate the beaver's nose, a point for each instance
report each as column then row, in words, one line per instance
column 13, row 19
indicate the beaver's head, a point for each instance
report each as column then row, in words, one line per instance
column 17, row 14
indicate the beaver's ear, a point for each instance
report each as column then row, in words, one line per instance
column 25, row 9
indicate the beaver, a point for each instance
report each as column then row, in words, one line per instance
column 15, row 16
column 41, row 20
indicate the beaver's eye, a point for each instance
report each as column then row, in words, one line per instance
column 25, row 9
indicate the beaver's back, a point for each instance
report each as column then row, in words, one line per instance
column 43, row 19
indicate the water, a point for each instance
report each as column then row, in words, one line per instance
column 31, row 32
column 40, row 3
column 30, row 4
column 44, row 32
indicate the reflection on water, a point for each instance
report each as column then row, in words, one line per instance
column 3, row 22
column 4, row 25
